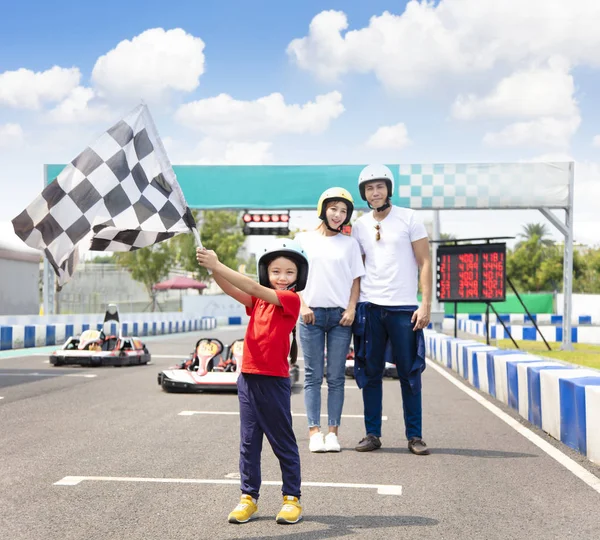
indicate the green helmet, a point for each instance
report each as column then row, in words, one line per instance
column 283, row 247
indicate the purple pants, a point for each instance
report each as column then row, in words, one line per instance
column 265, row 409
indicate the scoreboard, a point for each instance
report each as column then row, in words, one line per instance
column 471, row 273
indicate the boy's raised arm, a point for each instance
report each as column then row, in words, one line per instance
column 235, row 293
column 244, row 284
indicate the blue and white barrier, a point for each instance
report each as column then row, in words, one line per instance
column 223, row 320
column 39, row 335
column 579, row 334
column 561, row 399
column 522, row 318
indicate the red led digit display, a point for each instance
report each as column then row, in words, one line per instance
column 471, row 273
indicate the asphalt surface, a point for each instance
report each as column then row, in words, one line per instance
column 483, row 480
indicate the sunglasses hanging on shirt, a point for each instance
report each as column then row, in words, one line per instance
column 377, row 234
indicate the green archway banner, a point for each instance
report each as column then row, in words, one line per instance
column 418, row 186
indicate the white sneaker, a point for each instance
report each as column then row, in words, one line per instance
column 331, row 443
column 317, row 443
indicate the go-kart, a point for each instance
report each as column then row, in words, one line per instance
column 96, row 348
column 390, row 368
column 211, row 366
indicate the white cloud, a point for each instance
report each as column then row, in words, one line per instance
column 26, row 89
column 215, row 152
column 76, row 108
column 453, row 37
column 544, row 131
column 531, row 93
column 394, row 137
column 225, row 117
column 11, row 135
column 552, row 157
column 596, row 141
column 151, row 64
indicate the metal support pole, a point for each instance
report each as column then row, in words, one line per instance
column 455, row 319
column 503, row 326
column 567, row 345
column 527, row 311
column 487, row 323
column 437, row 309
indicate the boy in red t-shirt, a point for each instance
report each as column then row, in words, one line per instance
column 264, row 388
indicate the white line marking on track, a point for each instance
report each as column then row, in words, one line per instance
column 35, row 374
column 75, row 480
column 555, row 453
column 235, row 413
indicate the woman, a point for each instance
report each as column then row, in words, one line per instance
column 327, row 312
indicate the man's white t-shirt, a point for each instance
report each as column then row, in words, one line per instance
column 334, row 262
column 391, row 277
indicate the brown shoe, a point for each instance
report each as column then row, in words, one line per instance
column 368, row 443
column 418, row 447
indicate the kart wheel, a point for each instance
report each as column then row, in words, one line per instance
column 171, row 390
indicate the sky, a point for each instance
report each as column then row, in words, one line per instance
column 271, row 82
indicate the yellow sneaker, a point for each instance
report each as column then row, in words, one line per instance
column 291, row 511
column 245, row 511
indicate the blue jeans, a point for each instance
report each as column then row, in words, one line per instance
column 265, row 409
column 312, row 339
column 395, row 325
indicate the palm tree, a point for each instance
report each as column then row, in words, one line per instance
column 535, row 230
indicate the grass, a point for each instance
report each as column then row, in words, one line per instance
column 583, row 355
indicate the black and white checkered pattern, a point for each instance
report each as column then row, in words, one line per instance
column 119, row 194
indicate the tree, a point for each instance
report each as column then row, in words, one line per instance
column 148, row 265
column 220, row 231
column 104, row 259
column 535, row 267
column 539, row 230
column 523, row 263
column 589, row 279
column 251, row 265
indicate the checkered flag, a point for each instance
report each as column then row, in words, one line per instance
column 119, row 194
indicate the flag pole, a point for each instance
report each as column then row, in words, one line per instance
column 197, row 237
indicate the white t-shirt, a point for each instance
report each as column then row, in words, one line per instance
column 334, row 262
column 391, row 277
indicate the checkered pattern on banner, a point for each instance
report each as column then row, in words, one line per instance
column 500, row 185
column 119, row 194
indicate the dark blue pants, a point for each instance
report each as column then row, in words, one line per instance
column 397, row 326
column 266, row 409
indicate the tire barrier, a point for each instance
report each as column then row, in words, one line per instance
column 39, row 335
column 560, row 398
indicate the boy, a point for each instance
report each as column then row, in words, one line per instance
column 264, row 389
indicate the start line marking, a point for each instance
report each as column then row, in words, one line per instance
column 235, row 413
column 76, row 480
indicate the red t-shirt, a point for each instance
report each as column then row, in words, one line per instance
column 267, row 341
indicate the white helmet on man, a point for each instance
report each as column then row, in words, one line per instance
column 375, row 172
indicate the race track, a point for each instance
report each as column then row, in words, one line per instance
column 104, row 453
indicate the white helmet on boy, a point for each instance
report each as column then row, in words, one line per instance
column 283, row 247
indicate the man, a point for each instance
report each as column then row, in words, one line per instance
column 395, row 246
